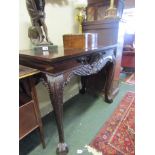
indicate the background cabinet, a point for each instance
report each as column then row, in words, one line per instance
column 109, row 30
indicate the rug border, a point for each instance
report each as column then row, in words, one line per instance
column 110, row 117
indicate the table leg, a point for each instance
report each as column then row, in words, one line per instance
column 36, row 106
column 55, row 85
column 108, row 84
column 83, row 83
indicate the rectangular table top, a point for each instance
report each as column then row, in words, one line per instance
column 26, row 71
column 60, row 53
column 59, row 59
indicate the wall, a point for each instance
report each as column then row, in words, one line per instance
column 59, row 20
column 129, row 4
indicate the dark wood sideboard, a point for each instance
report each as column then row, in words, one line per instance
column 60, row 65
column 109, row 30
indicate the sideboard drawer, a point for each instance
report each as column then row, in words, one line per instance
column 27, row 119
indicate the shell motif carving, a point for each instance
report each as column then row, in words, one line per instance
column 90, row 65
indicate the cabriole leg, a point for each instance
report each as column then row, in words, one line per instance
column 55, row 85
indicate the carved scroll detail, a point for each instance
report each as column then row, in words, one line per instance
column 89, row 65
column 99, row 61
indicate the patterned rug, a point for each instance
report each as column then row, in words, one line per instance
column 130, row 79
column 117, row 136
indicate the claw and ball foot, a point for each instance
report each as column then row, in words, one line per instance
column 108, row 99
column 62, row 149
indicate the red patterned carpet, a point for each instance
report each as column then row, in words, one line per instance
column 117, row 136
column 130, row 79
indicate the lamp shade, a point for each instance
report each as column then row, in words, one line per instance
column 80, row 3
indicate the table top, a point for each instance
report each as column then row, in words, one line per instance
column 26, row 71
column 58, row 60
column 59, row 53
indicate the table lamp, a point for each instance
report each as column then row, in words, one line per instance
column 80, row 6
